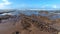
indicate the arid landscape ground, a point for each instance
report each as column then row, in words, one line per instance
column 30, row 24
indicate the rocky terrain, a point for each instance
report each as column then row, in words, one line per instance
column 29, row 24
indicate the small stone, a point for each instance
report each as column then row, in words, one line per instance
column 15, row 32
column 58, row 32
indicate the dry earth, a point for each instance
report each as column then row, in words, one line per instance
column 26, row 25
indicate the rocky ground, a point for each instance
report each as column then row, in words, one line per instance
column 24, row 24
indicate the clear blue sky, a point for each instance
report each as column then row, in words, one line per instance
column 30, row 4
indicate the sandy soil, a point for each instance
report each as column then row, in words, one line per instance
column 24, row 26
column 9, row 28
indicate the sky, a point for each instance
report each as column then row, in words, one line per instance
column 29, row 4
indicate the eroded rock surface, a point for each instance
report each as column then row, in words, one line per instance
column 24, row 24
